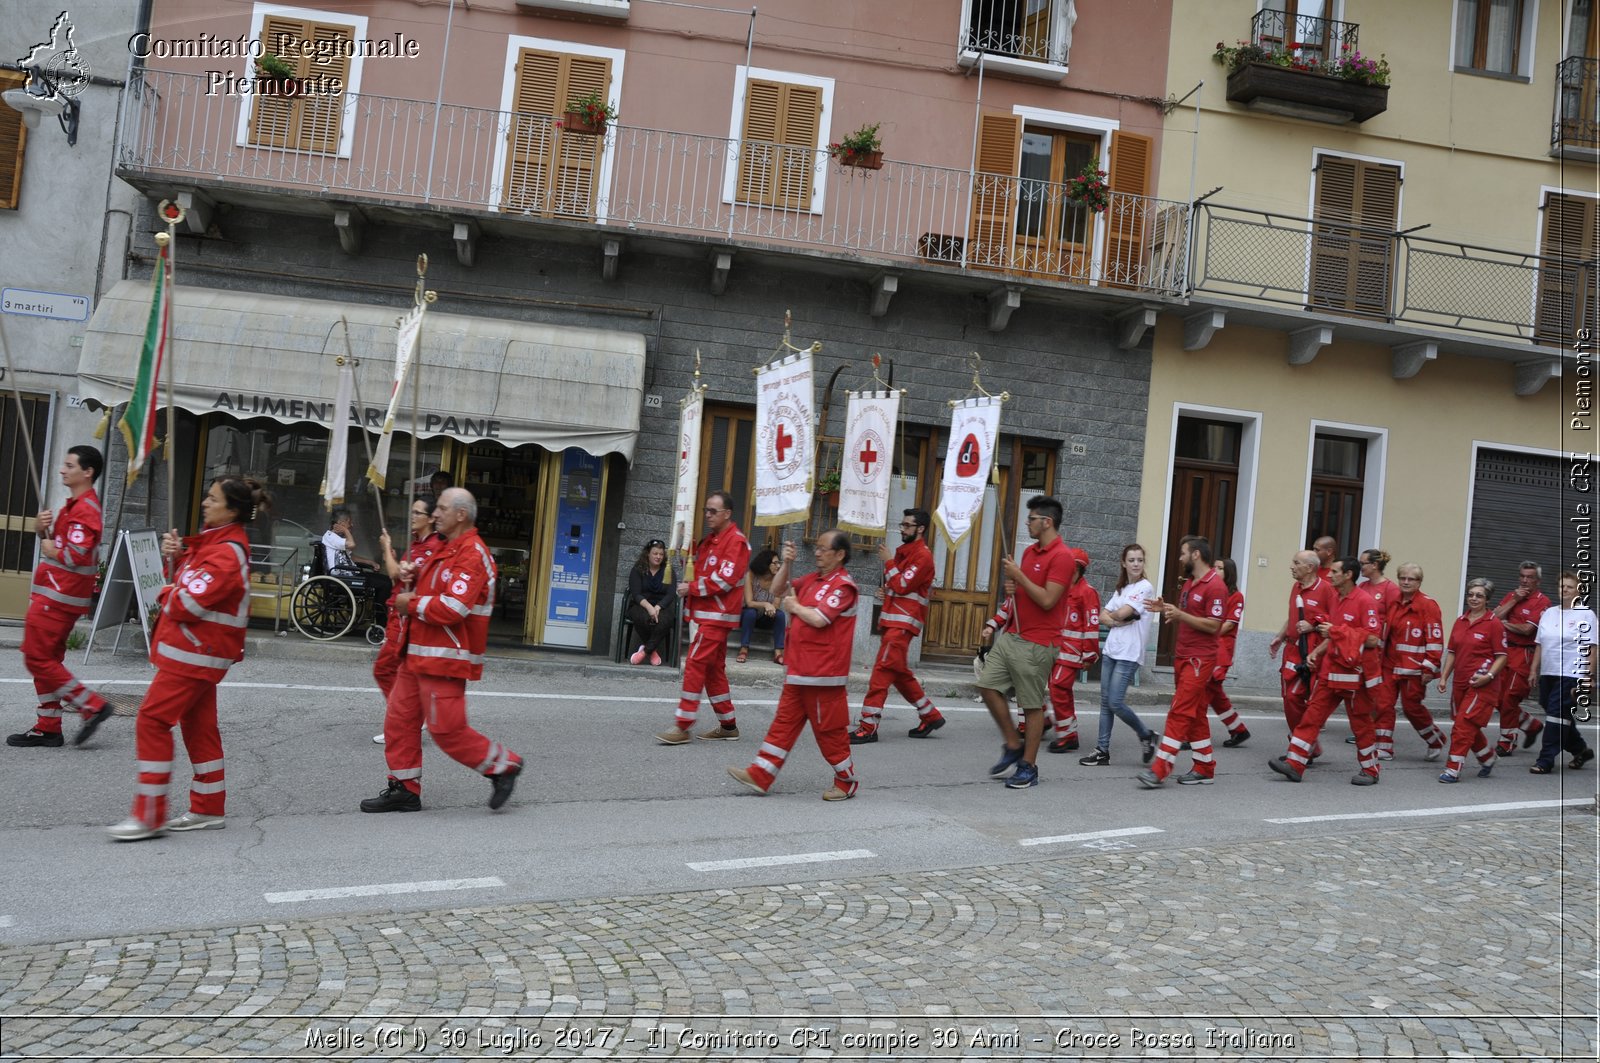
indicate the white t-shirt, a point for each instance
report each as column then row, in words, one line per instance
column 335, row 557
column 1127, row 643
column 1564, row 638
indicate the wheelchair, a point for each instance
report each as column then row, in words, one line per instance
column 326, row 606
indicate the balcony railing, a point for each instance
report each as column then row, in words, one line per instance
column 407, row 152
column 1035, row 30
column 1388, row 276
column 1318, row 40
column 1577, row 118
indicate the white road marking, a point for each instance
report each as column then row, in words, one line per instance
column 382, row 889
column 774, row 861
column 1452, row 810
column 1121, row 832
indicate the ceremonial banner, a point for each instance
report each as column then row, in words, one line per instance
column 864, row 469
column 686, row 494
column 785, row 444
column 337, row 472
column 974, row 427
column 405, row 350
column 138, row 422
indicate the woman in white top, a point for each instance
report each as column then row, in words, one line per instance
column 1124, row 650
column 1564, row 661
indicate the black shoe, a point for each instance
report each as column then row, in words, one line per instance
column 34, row 738
column 1282, row 766
column 1063, row 745
column 926, row 727
column 1531, row 736
column 394, row 799
column 1099, row 758
column 503, row 784
column 1183, row 747
column 1350, row 741
column 862, row 737
column 1147, row 748
column 1238, row 738
column 1579, row 759
column 91, row 725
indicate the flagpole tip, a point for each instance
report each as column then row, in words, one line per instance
column 162, row 239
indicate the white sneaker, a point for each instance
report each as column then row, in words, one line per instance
column 132, row 830
column 195, row 821
column 378, row 739
column 1433, row 753
column 1384, row 754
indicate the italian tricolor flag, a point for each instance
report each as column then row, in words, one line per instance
column 138, row 423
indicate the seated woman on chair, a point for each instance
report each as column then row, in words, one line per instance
column 339, row 556
column 652, row 602
column 759, row 608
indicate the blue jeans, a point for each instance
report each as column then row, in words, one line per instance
column 750, row 619
column 1558, row 694
column 1115, row 676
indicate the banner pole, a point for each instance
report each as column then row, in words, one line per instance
column 22, row 417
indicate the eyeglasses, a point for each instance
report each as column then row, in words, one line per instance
column 653, row 543
column 1476, row 594
column 909, row 524
column 1035, row 516
column 714, row 510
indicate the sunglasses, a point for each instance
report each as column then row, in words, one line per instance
column 653, row 543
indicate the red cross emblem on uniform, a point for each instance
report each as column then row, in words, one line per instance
column 868, row 458
column 781, row 442
column 967, row 457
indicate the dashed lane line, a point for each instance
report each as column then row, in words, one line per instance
column 1450, row 810
column 1094, row 835
column 776, row 861
column 383, row 889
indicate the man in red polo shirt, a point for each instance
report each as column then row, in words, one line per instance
column 1024, row 652
column 1310, row 603
column 907, row 581
column 1199, row 612
column 1327, row 551
column 1520, row 611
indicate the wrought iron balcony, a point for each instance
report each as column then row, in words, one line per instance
column 1305, row 67
column 1577, row 123
column 1338, row 268
column 1035, row 30
column 508, row 165
column 1314, row 40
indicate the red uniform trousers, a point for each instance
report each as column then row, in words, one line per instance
column 1408, row 690
column 1296, row 696
column 892, row 668
column 440, row 702
column 1222, row 705
column 1063, row 704
column 1473, row 708
column 1187, row 720
column 706, row 668
column 1515, row 685
column 1357, row 706
column 827, row 709
column 189, row 704
column 387, row 666
column 44, row 648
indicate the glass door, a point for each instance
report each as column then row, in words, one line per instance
column 1055, row 235
column 505, row 482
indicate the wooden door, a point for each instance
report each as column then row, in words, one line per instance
column 1569, row 284
column 1205, row 489
column 18, row 543
column 1054, row 234
column 313, row 122
column 778, row 151
column 550, row 172
column 728, row 463
column 1352, row 241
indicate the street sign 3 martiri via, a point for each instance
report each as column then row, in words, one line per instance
column 44, row 304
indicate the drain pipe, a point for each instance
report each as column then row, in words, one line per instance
column 972, row 160
column 438, row 101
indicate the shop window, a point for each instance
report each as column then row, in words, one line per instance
column 320, row 52
column 1490, row 34
column 550, row 172
column 13, row 137
column 780, row 142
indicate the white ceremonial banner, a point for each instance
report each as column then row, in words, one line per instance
column 785, row 441
column 334, row 476
column 865, row 466
column 974, row 428
column 686, row 493
column 410, row 327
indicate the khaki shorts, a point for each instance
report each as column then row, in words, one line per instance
column 1022, row 665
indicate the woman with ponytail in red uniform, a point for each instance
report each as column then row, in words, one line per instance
column 198, row 637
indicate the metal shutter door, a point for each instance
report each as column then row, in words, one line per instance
column 1516, row 517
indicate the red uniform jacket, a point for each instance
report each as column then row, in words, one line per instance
column 1080, row 634
column 1346, row 664
column 716, row 597
column 1529, row 612
column 1316, row 602
column 205, row 610
column 1232, row 612
column 1384, row 593
column 69, row 582
column 447, row 619
column 820, row 656
column 1415, row 646
column 418, row 553
column 907, row 579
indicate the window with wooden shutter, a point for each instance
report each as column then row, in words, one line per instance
column 994, row 191
column 1569, row 284
column 778, row 148
column 313, row 121
column 1352, row 236
column 1125, row 219
column 13, row 136
column 549, row 171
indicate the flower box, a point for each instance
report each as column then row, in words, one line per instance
column 581, row 123
column 1299, row 94
column 862, row 160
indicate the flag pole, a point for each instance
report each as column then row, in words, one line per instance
column 366, row 444
column 420, row 300
column 22, row 417
column 172, row 214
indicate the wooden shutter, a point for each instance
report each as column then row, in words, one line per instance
column 13, row 137
column 550, row 172
column 1567, row 276
column 994, row 190
column 311, row 122
column 1352, row 269
column 1127, row 218
column 777, row 154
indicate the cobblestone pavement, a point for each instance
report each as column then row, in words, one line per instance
column 1475, row 940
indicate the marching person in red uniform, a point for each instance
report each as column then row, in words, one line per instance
column 1327, row 550
column 818, row 664
column 1200, row 611
column 1475, row 655
column 1080, row 648
column 907, row 584
column 444, row 630
column 1383, row 593
column 63, row 585
column 1227, row 642
column 1349, row 666
column 1413, row 646
column 1520, row 611
column 1310, row 604
column 424, row 541
column 714, row 602
column 198, row 637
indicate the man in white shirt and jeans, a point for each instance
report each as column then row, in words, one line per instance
column 1564, row 660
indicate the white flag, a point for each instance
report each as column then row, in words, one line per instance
column 686, row 495
column 785, row 442
column 974, row 427
column 337, row 472
column 865, row 465
column 410, row 327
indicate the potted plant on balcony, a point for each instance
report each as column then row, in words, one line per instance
column 861, row 149
column 828, row 486
column 588, row 115
column 1089, row 188
column 1350, row 87
column 274, row 70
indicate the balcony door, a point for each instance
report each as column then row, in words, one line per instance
column 1352, row 237
column 1578, row 80
column 1055, row 235
column 1569, row 282
column 1296, row 22
column 550, row 172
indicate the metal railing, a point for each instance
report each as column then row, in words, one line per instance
column 453, row 157
column 1317, row 40
column 1348, row 269
column 1577, row 117
column 1022, row 29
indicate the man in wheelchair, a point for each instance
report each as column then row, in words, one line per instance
column 339, row 559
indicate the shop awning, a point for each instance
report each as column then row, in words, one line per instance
column 252, row 355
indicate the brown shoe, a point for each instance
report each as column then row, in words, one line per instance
column 675, row 737
column 719, row 733
column 743, row 775
column 833, row 793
